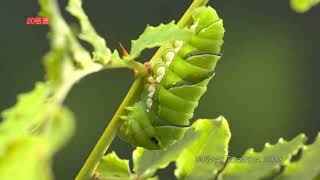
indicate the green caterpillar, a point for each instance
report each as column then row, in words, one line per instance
column 164, row 109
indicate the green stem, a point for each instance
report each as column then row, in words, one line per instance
column 108, row 135
column 185, row 20
column 187, row 16
column 110, row 132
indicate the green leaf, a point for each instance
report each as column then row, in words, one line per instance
column 302, row 6
column 25, row 159
column 29, row 111
column 59, row 129
column 207, row 155
column 307, row 167
column 112, row 166
column 88, row 33
column 157, row 36
column 57, row 64
column 36, row 113
column 146, row 162
column 184, row 151
column 257, row 165
column 64, row 46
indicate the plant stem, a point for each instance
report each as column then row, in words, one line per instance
column 184, row 21
column 108, row 135
column 110, row 132
column 187, row 16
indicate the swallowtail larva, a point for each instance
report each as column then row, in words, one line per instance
column 162, row 112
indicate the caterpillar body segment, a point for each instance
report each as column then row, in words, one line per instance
column 161, row 114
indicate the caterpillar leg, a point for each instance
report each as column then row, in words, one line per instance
column 138, row 129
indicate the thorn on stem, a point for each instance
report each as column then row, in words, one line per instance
column 136, row 72
column 96, row 176
column 124, row 117
column 123, row 50
column 147, row 65
column 151, row 80
column 129, row 108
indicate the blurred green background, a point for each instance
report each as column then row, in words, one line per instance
column 267, row 83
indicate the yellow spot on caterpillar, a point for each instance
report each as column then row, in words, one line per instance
column 194, row 25
column 151, row 90
column 178, row 45
column 169, row 58
column 149, row 103
column 161, row 70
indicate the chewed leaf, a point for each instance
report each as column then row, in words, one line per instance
column 258, row 165
column 30, row 109
column 58, row 61
column 157, row 36
column 303, row 5
column 59, row 129
column 25, row 159
column 88, row 33
column 112, row 166
column 307, row 167
column 206, row 156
